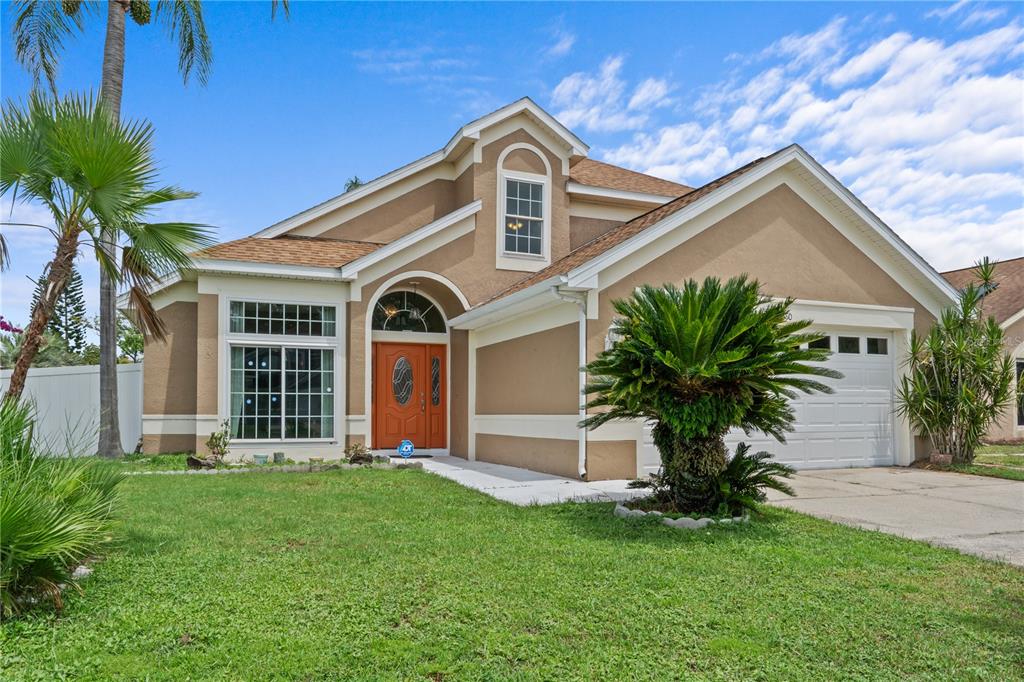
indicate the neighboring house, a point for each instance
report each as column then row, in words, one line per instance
column 452, row 302
column 1004, row 302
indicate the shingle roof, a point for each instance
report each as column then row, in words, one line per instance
column 288, row 250
column 600, row 174
column 605, row 242
column 1007, row 299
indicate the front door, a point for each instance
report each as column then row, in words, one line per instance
column 409, row 395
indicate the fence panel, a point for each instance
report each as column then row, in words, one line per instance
column 67, row 401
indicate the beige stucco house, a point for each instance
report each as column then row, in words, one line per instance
column 1004, row 302
column 452, row 302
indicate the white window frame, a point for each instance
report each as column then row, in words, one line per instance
column 512, row 260
column 334, row 343
column 242, row 299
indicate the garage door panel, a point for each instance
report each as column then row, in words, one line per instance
column 851, row 426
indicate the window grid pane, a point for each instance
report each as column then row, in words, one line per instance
column 274, row 397
column 524, row 225
column 282, row 319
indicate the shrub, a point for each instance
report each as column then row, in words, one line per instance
column 358, row 453
column 733, row 491
column 54, row 512
column 959, row 377
column 698, row 361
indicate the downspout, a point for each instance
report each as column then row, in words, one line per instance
column 580, row 299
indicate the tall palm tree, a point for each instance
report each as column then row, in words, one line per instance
column 698, row 361
column 40, row 28
column 98, row 178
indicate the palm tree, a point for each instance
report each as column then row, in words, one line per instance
column 40, row 28
column 959, row 377
column 701, row 360
column 97, row 177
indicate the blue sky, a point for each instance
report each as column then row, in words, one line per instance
column 918, row 107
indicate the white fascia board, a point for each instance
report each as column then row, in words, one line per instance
column 472, row 130
column 616, row 194
column 350, row 271
column 502, row 309
column 886, row 232
column 164, row 282
column 237, row 267
column 1005, row 324
column 587, row 271
column 791, row 154
column 354, row 195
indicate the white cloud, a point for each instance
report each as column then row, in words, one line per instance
column 599, row 101
column 973, row 13
column 929, row 133
column 652, row 92
column 564, row 41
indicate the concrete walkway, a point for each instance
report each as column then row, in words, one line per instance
column 974, row 514
column 522, row 486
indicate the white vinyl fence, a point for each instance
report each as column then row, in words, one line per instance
column 67, row 402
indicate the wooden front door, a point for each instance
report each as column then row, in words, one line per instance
column 409, row 395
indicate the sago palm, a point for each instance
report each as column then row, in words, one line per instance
column 698, row 361
column 96, row 176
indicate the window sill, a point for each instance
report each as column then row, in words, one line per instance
column 522, row 263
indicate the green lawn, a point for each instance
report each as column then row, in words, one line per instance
column 1001, row 449
column 382, row 574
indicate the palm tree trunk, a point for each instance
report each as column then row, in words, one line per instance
column 698, row 457
column 56, row 279
column 110, row 94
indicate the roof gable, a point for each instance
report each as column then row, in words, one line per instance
column 579, row 267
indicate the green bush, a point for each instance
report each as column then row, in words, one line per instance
column 55, row 512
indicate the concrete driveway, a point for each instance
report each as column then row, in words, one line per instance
column 974, row 514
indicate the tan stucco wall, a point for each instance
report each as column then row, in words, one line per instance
column 525, row 161
column 167, row 387
column 1006, row 427
column 207, row 350
column 458, row 437
column 168, row 443
column 783, row 243
column 401, row 215
column 583, row 230
column 551, row 456
column 611, row 459
column 533, row 374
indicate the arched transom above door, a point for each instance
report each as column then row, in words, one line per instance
column 407, row 311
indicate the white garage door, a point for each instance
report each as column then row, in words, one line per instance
column 852, row 427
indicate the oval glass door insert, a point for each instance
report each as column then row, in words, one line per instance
column 401, row 381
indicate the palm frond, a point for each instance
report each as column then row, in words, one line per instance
column 40, row 28
column 184, row 22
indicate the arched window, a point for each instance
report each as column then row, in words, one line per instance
column 407, row 311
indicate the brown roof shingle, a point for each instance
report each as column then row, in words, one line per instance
column 287, row 250
column 600, row 174
column 596, row 247
column 1007, row 299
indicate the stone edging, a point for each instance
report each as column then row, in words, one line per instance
column 283, row 469
column 682, row 522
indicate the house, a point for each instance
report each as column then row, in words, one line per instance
column 452, row 301
column 1005, row 302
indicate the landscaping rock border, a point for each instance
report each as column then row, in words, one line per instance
column 682, row 522
column 284, row 469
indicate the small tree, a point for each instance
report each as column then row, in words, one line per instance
column 353, row 183
column 959, row 379
column 129, row 339
column 69, row 319
column 699, row 361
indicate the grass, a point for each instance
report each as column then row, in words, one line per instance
column 377, row 574
column 1001, row 449
column 1011, row 473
